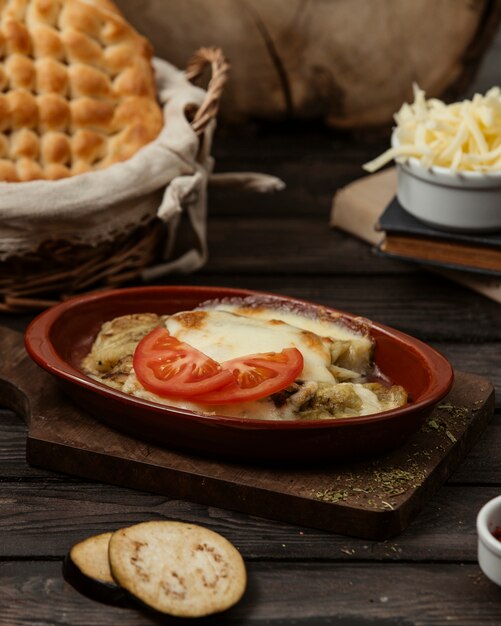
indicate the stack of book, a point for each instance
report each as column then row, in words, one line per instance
column 369, row 210
column 410, row 239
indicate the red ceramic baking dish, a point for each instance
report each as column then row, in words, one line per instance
column 58, row 339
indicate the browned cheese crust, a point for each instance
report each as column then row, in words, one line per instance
column 78, row 90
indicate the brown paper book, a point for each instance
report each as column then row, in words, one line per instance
column 357, row 208
column 412, row 240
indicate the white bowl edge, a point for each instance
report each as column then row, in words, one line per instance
column 489, row 548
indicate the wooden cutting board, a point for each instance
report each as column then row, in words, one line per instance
column 374, row 499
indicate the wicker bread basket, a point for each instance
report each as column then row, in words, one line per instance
column 46, row 270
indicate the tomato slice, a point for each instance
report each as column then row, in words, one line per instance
column 256, row 376
column 172, row 368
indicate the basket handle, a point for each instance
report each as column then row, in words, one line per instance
column 220, row 68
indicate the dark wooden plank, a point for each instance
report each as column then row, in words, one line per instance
column 482, row 466
column 44, row 523
column 299, row 141
column 302, row 246
column 313, row 162
column 13, row 447
column 480, row 359
column 310, row 187
column 358, row 499
column 295, row 593
column 282, row 243
column 422, row 304
column 419, row 303
column 16, row 321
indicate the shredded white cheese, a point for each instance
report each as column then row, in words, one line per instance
column 463, row 136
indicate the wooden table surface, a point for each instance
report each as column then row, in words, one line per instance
column 426, row 576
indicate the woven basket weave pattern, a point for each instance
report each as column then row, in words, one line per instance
column 58, row 269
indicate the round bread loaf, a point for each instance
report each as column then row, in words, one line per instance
column 176, row 568
column 78, row 90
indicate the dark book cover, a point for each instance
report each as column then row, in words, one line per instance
column 396, row 220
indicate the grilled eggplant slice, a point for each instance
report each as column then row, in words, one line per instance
column 86, row 567
column 117, row 340
column 176, row 568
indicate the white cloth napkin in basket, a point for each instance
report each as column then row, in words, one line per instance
column 164, row 179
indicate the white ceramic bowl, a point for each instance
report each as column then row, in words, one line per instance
column 456, row 201
column 489, row 548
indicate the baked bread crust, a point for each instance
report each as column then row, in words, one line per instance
column 78, row 90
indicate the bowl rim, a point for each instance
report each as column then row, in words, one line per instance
column 43, row 352
column 484, row 534
column 414, row 164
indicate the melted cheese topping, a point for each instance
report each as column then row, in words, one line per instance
column 242, row 330
column 463, row 136
column 324, row 328
column 224, row 336
column 318, row 326
column 264, row 409
column 370, row 402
